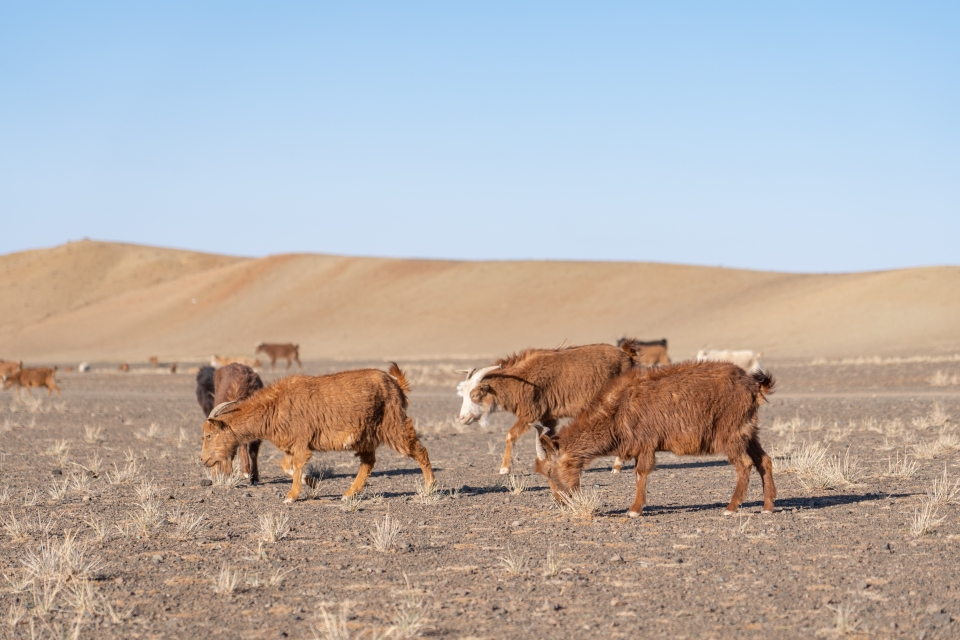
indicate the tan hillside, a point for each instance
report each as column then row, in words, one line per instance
column 104, row 301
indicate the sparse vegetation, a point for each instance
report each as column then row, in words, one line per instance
column 274, row 527
column 385, row 533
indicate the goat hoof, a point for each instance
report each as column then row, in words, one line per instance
column 615, row 470
column 727, row 512
column 287, row 500
column 504, row 470
column 633, row 514
column 767, row 511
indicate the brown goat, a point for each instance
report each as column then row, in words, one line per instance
column 8, row 368
column 233, row 383
column 36, row 377
column 649, row 353
column 692, row 408
column 206, row 391
column 352, row 410
column 286, row 350
column 541, row 385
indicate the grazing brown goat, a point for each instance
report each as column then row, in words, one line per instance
column 692, row 408
column 541, row 385
column 8, row 368
column 352, row 410
column 205, row 389
column 649, row 353
column 233, row 383
column 36, row 377
column 286, row 350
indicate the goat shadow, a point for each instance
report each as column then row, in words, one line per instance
column 675, row 465
column 782, row 504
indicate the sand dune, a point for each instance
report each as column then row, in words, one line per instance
column 104, row 301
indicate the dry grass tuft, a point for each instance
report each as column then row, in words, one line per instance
column 429, row 493
column 274, row 527
column 925, row 518
column 583, row 503
column 60, row 450
column 552, row 564
column 410, row 618
column 226, row 581
column 124, row 475
column 187, row 524
column 943, row 492
column 514, row 562
column 351, row 503
column 516, row 484
column 901, row 467
column 941, row 379
column 333, row 626
column 58, row 490
column 16, row 530
column 385, row 533
column 93, row 435
column 225, row 481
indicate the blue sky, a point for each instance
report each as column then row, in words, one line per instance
column 788, row 136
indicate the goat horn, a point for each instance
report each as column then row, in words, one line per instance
column 478, row 376
column 541, row 454
column 217, row 410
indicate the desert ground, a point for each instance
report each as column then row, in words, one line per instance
column 112, row 529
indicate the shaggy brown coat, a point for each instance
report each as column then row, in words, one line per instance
column 9, row 368
column 205, row 389
column 236, row 382
column 692, row 408
column 286, row 350
column 35, row 377
column 648, row 353
column 545, row 386
column 352, row 410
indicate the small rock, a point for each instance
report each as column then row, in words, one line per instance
column 616, row 558
column 85, row 499
column 206, row 482
column 862, row 584
column 157, row 558
column 941, row 618
column 118, row 580
column 516, row 523
column 403, row 545
column 933, row 609
column 56, row 472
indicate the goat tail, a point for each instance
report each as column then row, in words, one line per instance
column 630, row 346
column 401, row 381
column 766, row 381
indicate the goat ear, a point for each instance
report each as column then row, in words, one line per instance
column 219, row 424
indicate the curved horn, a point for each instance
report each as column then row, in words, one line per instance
column 541, row 454
column 478, row 376
column 217, row 410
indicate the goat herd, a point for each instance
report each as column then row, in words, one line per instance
column 626, row 401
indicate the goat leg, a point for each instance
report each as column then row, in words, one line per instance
column 764, row 466
column 743, row 463
column 367, row 460
column 300, row 460
column 644, row 465
column 253, row 450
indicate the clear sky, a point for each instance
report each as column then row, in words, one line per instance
column 813, row 136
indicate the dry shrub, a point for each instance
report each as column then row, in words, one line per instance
column 514, row 562
column 941, row 379
column 274, row 527
column 902, row 467
column 385, row 533
column 583, row 503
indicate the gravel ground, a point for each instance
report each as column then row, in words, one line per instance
column 100, row 493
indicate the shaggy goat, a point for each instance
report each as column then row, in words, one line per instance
column 233, row 383
column 693, row 408
column 745, row 359
column 352, row 410
column 649, row 353
column 206, row 391
column 286, row 350
column 541, row 385
column 37, row 377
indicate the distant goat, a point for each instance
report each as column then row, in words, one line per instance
column 154, row 361
column 286, row 350
column 745, row 359
column 206, row 391
column 29, row 378
column 541, row 385
column 124, row 367
column 352, row 410
column 692, row 408
column 222, row 361
column 648, row 353
column 8, row 368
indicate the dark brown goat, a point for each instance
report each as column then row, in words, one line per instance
column 286, row 350
column 352, row 410
column 541, row 385
column 649, row 353
column 692, row 408
column 35, row 377
column 206, row 391
column 233, row 383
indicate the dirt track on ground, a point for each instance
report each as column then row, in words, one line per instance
column 471, row 561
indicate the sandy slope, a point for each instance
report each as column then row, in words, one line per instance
column 102, row 301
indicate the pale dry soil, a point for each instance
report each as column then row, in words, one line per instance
column 838, row 556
